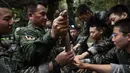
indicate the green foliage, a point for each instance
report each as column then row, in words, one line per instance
column 97, row 5
column 22, row 14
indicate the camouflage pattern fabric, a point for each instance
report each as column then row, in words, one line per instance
column 34, row 45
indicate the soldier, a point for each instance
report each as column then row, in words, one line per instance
column 96, row 30
column 5, row 28
column 84, row 13
column 74, row 32
column 115, row 14
column 119, row 57
column 35, row 44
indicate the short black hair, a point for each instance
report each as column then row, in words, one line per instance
column 100, row 24
column 31, row 8
column 96, row 22
column 82, row 9
column 118, row 9
column 74, row 27
column 123, row 25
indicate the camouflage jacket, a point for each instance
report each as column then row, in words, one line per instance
column 34, row 45
column 118, row 58
column 84, row 34
column 102, row 46
column 5, row 44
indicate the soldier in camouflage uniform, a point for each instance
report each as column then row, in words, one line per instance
column 115, row 14
column 119, row 57
column 84, row 13
column 34, row 44
column 5, row 28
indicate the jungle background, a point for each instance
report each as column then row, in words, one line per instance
column 18, row 7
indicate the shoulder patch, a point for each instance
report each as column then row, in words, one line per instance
column 29, row 38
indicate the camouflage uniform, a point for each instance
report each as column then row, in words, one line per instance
column 34, row 45
column 83, row 38
column 5, row 44
column 119, row 59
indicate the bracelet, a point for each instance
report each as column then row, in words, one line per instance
column 56, row 67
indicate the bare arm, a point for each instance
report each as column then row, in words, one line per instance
column 100, row 68
column 106, row 68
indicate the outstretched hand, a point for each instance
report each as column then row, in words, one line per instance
column 77, row 62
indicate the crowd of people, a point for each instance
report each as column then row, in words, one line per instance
column 40, row 47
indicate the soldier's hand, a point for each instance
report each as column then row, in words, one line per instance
column 65, row 57
column 60, row 26
column 80, row 64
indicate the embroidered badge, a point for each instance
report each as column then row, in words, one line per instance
column 30, row 38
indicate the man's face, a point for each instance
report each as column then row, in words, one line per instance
column 94, row 33
column 114, row 18
column 39, row 17
column 119, row 40
column 86, row 16
column 73, row 33
column 5, row 21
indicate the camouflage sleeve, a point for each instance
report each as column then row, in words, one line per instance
column 120, row 68
column 35, row 49
column 116, row 68
column 83, row 37
column 43, row 68
column 105, row 58
column 103, row 46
